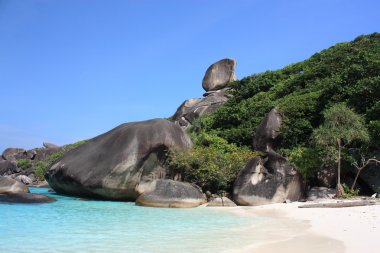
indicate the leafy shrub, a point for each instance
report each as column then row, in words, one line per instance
column 24, row 164
column 213, row 163
column 307, row 160
column 42, row 166
column 348, row 192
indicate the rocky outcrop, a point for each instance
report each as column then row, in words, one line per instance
column 194, row 108
column 219, row 74
column 267, row 131
column 220, row 201
column 170, row 193
column 25, row 198
column 11, row 186
column 114, row 164
column 7, row 167
column 269, row 178
column 10, row 152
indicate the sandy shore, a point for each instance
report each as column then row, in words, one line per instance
column 349, row 230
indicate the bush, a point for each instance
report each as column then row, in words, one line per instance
column 42, row 166
column 24, row 164
column 348, row 193
column 213, row 163
column 307, row 160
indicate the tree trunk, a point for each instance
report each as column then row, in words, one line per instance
column 339, row 188
column 356, row 179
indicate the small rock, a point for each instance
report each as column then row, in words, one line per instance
column 11, row 186
column 49, row 145
column 320, row 193
column 220, row 201
column 24, row 179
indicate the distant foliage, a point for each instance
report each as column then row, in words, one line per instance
column 24, row 164
column 212, row 164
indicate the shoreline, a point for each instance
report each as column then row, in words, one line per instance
column 343, row 230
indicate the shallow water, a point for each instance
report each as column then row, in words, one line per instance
column 74, row 225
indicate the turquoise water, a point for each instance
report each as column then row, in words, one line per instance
column 74, row 225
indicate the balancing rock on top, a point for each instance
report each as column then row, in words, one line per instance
column 219, row 74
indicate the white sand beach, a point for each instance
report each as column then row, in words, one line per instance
column 327, row 230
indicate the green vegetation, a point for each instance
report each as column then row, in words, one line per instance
column 24, row 164
column 348, row 192
column 212, row 164
column 42, row 166
column 341, row 126
column 346, row 73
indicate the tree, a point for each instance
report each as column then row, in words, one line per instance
column 341, row 126
column 364, row 162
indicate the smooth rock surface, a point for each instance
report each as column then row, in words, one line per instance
column 221, row 201
column 11, row 186
column 25, row 198
column 267, row 131
column 170, row 193
column 219, row 74
column 112, row 165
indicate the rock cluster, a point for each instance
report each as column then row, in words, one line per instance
column 215, row 82
column 11, row 156
column 269, row 178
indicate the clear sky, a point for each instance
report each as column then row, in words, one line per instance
column 73, row 69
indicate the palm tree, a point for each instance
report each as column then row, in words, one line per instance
column 341, row 126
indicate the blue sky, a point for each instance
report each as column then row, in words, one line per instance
column 73, row 69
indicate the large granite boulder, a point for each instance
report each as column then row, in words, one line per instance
column 112, row 165
column 170, row 193
column 267, row 131
column 11, row 186
column 8, row 154
column 219, row 74
column 267, row 180
column 25, row 198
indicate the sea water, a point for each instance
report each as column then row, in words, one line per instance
column 75, row 225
